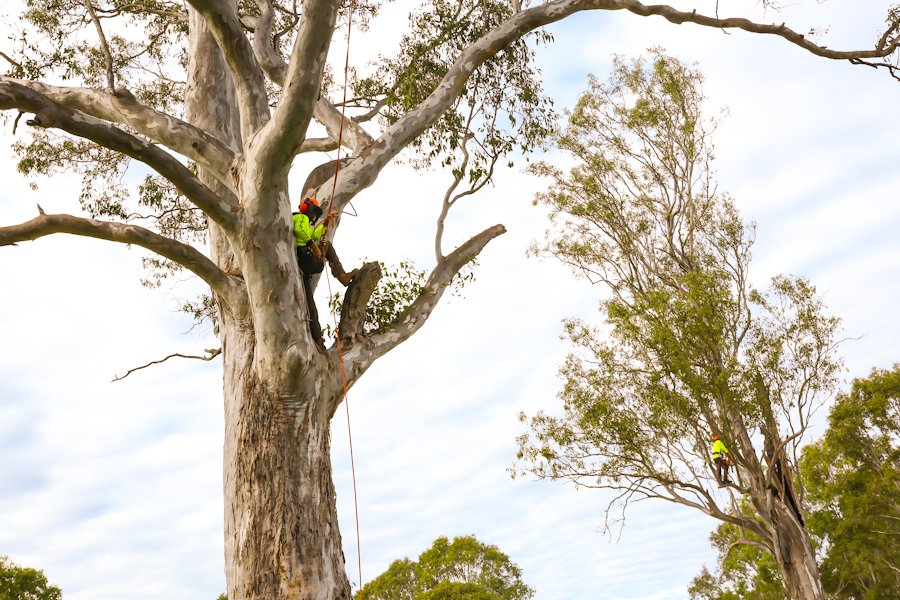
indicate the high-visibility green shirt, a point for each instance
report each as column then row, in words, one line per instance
column 719, row 448
column 304, row 232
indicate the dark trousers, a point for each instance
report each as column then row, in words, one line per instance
column 309, row 267
column 721, row 468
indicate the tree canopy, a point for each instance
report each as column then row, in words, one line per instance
column 461, row 569
column 852, row 476
column 24, row 583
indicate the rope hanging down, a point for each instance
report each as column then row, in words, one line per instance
column 337, row 168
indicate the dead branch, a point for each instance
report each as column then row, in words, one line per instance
column 210, row 354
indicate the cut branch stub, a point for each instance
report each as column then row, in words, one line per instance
column 353, row 311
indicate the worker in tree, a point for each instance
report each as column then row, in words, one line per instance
column 722, row 460
column 312, row 252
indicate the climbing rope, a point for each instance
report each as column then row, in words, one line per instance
column 337, row 168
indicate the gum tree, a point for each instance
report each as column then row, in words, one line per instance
column 216, row 99
column 689, row 348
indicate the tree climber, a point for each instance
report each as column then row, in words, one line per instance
column 312, row 252
column 722, row 460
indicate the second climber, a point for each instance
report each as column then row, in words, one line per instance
column 722, row 460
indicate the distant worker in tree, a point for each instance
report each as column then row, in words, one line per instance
column 722, row 460
column 312, row 252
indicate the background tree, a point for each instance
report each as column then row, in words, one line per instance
column 463, row 569
column 23, row 583
column 215, row 99
column 690, row 349
column 852, row 474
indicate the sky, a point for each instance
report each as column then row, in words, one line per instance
column 114, row 489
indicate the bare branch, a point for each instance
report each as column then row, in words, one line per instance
column 353, row 309
column 187, row 256
column 49, row 114
column 318, row 145
column 210, row 354
column 263, row 43
column 882, row 50
column 104, row 46
column 354, row 136
column 893, row 69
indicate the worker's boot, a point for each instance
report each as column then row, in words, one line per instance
column 346, row 277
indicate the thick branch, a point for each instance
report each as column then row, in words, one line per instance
column 122, row 107
column 263, row 43
column 354, row 136
column 222, row 19
column 50, row 114
column 353, row 309
column 281, row 138
column 183, row 254
column 365, row 169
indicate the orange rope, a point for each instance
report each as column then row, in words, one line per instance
column 337, row 168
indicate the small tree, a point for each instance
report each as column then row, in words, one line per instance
column 690, row 349
column 464, row 569
column 23, row 583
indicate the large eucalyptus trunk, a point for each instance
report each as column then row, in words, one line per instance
column 281, row 530
column 774, row 499
column 794, row 555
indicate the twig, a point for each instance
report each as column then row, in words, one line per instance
column 107, row 55
column 211, row 354
column 12, row 62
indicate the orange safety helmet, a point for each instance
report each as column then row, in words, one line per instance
column 715, row 437
column 304, row 205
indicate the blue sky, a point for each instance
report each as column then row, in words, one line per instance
column 114, row 489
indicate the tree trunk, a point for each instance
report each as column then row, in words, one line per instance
column 281, row 529
column 794, row 555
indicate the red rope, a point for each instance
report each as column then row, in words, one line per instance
column 337, row 168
